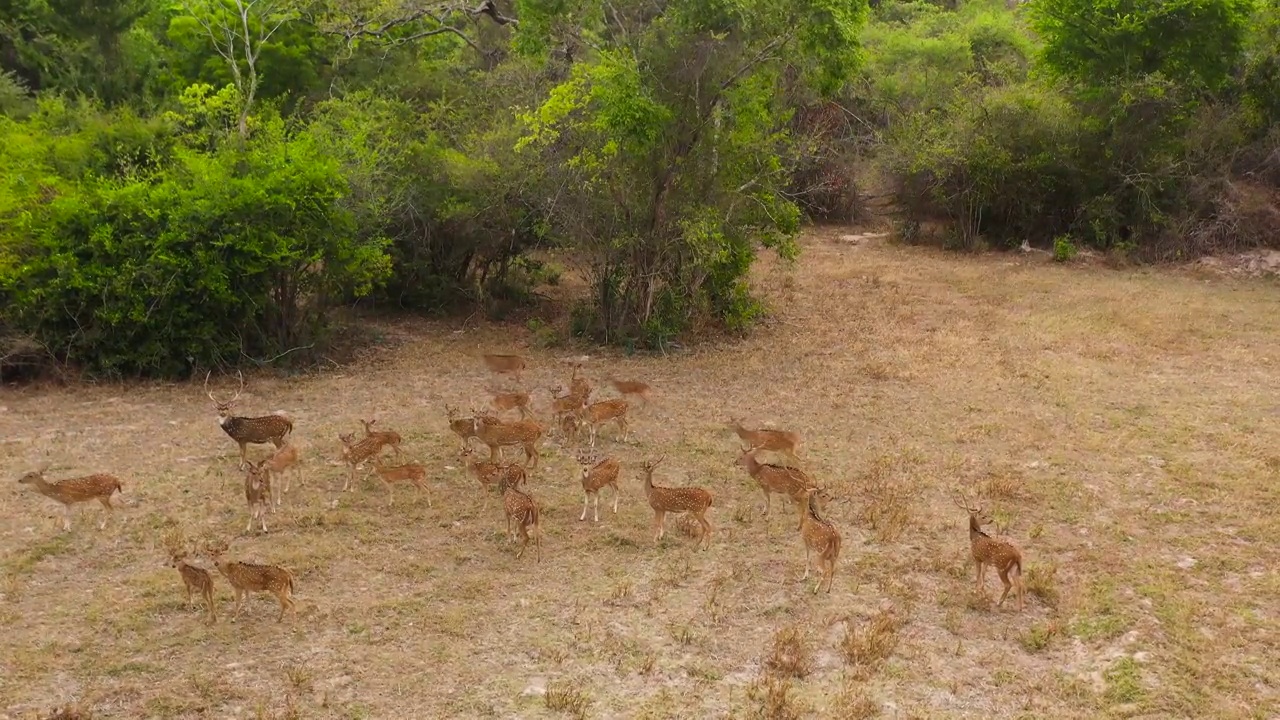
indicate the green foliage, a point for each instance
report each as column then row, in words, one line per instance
column 1063, row 249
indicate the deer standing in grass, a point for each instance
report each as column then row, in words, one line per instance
column 773, row 440
column 257, row 493
column 489, row 474
column 385, row 437
column 194, row 578
column 631, row 389
column 507, row 401
column 599, row 413
column 249, row 430
column 521, row 510
column 497, row 435
column 1003, row 555
column 564, row 406
column 250, row 577
column 663, row 500
column 412, row 473
column 596, row 476
column 778, row 479
column 578, row 386
column 278, row 467
column 505, row 365
column 820, row 537
column 100, row 487
column 463, row 427
column 355, row 452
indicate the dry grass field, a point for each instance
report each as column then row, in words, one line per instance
column 1121, row 425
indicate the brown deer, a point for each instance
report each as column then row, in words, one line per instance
column 100, row 487
column 663, row 500
column 278, row 467
column 257, row 492
column 505, row 365
column 355, row 452
column 249, row 430
column 596, row 476
column 563, row 406
column 194, row 578
column 631, row 389
column 490, row 473
column 249, row 577
column 820, row 537
column 1003, row 555
column 463, row 427
column 497, row 435
column 772, row 440
column 412, row 473
column 388, row 438
column 523, row 511
column 505, row 401
column 778, row 479
column 579, row 387
column 599, row 413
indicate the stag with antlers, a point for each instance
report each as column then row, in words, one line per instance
column 249, row 430
column 1003, row 555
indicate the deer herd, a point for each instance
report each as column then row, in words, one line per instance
column 572, row 412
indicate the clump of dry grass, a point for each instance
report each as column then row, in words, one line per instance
column 568, row 698
column 1041, row 581
column 773, row 699
column 1005, row 484
column 70, row 712
column 789, row 653
column 853, row 704
column 866, row 646
column 1040, row 636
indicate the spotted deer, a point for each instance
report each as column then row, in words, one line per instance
column 663, row 500
column 578, row 386
column 490, row 473
column 356, row 452
column 257, row 493
column 820, row 537
column 387, row 438
column 507, row 401
column 500, row 364
column 775, row 479
column 599, row 413
column 597, row 475
column 631, row 389
column 463, row 427
column 278, row 467
column 411, row 473
column 250, row 577
column 521, row 510
column 249, row 430
column 194, row 578
column 99, row 486
column 773, row 440
column 497, row 435
column 1003, row 555
column 564, row 406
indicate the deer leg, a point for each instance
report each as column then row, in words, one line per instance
column 807, row 552
column 208, row 599
column 66, row 517
column 244, row 454
column 658, row 529
column 831, row 572
column 767, row 504
column 239, row 596
column 706, row 529
column 106, row 503
column 188, row 596
column 511, row 536
column 615, row 499
column 284, row 604
column 252, row 515
column 1004, row 578
column 597, row 507
column 262, row 518
column 586, row 498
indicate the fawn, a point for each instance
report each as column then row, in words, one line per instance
column 385, row 437
column 778, row 479
column 773, row 440
column 595, row 477
column 249, row 577
column 249, row 430
column 356, row 452
column 490, row 473
column 663, row 500
column 820, row 537
column 409, row 472
column 505, row 365
column 99, row 486
column 497, row 434
column 599, row 413
column 196, row 579
column 563, row 406
column 521, row 509
column 463, row 427
column 631, row 389
column 278, row 466
column 502, row 402
column 257, row 492
column 1003, row 555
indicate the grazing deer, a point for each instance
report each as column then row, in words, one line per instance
column 70, row 491
column 257, row 492
column 595, row 477
column 249, row 430
column 820, row 537
column 489, row 474
column 505, row 365
column 194, row 578
column 354, row 453
column 631, row 389
column 563, row 406
column 463, row 427
column 579, row 387
column 385, row 437
column 278, row 467
column 409, row 472
column 523, row 511
column 778, row 479
column 1003, row 555
column 599, row 413
column 504, row 401
column 497, row 435
column 663, row 500
column 249, row 577
column 773, row 440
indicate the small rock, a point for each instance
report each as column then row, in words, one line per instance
column 536, row 686
column 1142, row 656
column 1187, row 563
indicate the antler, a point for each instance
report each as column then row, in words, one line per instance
column 206, row 387
column 962, row 502
column 237, row 397
column 175, row 541
column 651, row 464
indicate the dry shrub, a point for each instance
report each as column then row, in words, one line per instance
column 886, row 490
column 1006, row 484
column 567, row 698
column 774, row 700
column 867, row 645
column 1041, row 581
column 853, row 704
column 790, row 655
